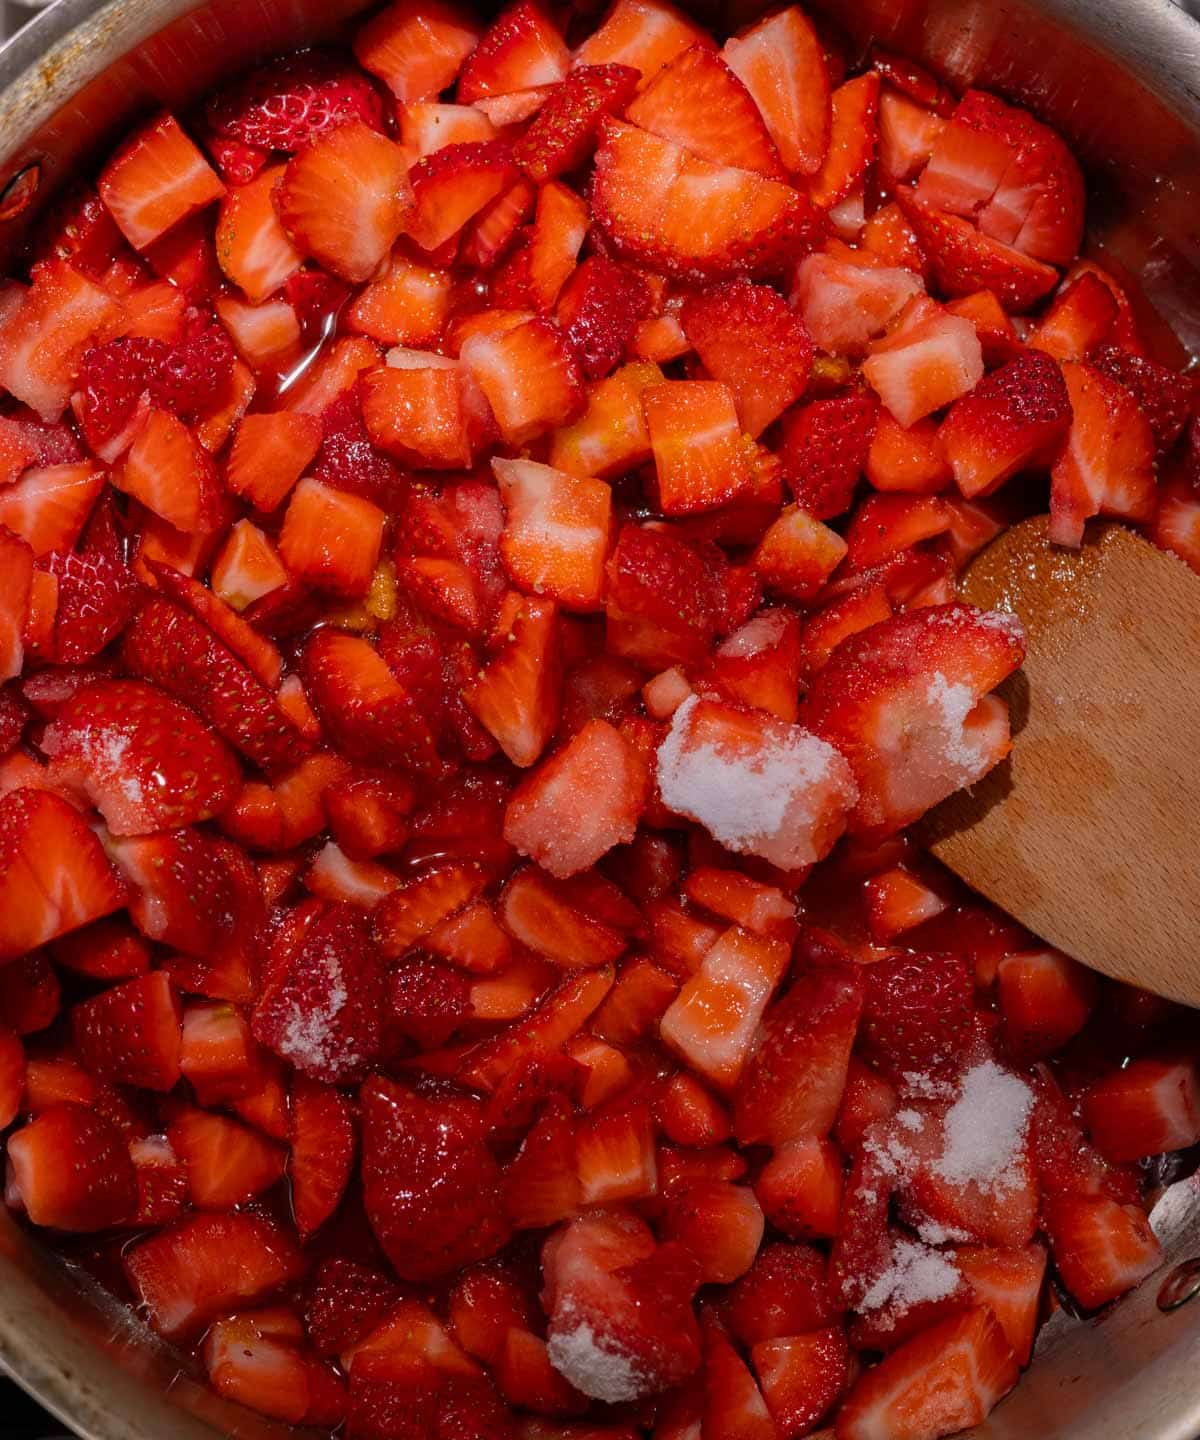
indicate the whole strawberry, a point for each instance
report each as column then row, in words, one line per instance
column 288, row 103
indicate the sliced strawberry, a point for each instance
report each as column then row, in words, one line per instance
column 189, row 1274
column 454, row 184
column 579, row 803
column 522, row 48
column 54, row 876
column 1013, row 419
column 1165, row 397
column 70, row 1170
column 846, row 305
column 605, row 1336
column 792, row 1087
column 417, row 48
column 1100, row 1248
column 945, row 1379
column 781, row 61
column 645, row 198
column 258, row 654
column 110, row 742
column 853, row 140
column 698, row 102
column 322, row 1146
column 345, row 198
column 562, row 134
column 175, row 651
column 285, row 105
column 518, row 697
column 330, row 538
column 1107, row 467
column 965, row 261
column 252, row 246
column 824, row 447
column 158, row 179
column 643, row 34
column 432, row 1188
column 322, row 995
column 46, row 335
column 529, row 376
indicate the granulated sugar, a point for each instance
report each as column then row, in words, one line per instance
column 952, row 704
column 914, row 1275
column 596, row 1366
column 985, row 1128
column 309, row 1039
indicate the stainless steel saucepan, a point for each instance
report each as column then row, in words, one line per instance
column 1121, row 78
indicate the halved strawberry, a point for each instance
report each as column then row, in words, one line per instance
column 180, row 654
column 824, row 446
column 432, row 1189
column 70, row 1170
column 156, row 180
column 522, row 48
column 529, row 376
column 1107, row 467
column 698, row 102
column 781, row 61
column 454, row 184
column 286, row 104
column 846, row 305
column 945, row 1379
column 131, row 1033
column 227, row 1163
column 562, row 134
column 189, row 1274
column 345, row 198
column 926, row 363
column 417, row 47
column 1013, row 419
column 253, row 249
column 647, row 197
column 331, row 539
column 964, row 260
column 1100, row 1248
column 579, row 803
column 144, row 760
column 54, row 876
column 934, row 667
column 322, row 1144
column 46, row 335
column 749, row 339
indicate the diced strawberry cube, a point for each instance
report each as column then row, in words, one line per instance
column 700, row 459
column 798, row 554
column 330, row 538
column 610, row 436
column 925, row 365
column 247, row 568
column 908, row 133
column 556, row 533
column 1101, row 1248
column 1148, row 1108
column 759, row 665
column 529, row 377
column 46, row 335
column 269, row 454
column 579, row 803
column 1045, row 998
column 721, row 1224
column 424, row 412
column 157, row 180
column 846, row 306
column 417, row 47
column 712, row 1022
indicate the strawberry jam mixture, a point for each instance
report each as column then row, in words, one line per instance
column 480, row 520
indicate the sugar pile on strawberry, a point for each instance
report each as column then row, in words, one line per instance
column 480, row 524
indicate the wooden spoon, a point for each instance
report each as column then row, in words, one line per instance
column 1089, row 833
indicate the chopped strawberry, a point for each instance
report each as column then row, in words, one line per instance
column 426, row 412
column 1166, row 399
column 698, row 102
column 910, row 461
column 16, row 580
column 47, row 334
column 227, row 1163
column 247, row 568
column 257, row 1360
column 614, row 1154
column 322, row 1145
column 345, row 198
column 610, row 437
column 70, row 1170
column 886, row 525
column 917, row 1013
column 1079, row 318
column 846, row 305
column 175, row 651
column 925, row 364
column 1012, row 420
column 171, row 474
column 432, row 1188
column 131, row 1033
column 422, row 903
column 824, row 447
column 454, row 184
column 556, row 533
column 700, row 459
column 494, row 231
column 599, row 310
column 158, row 179
column 522, row 48
column 1100, row 1248
column 49, row 508
column 645, row 196
column 330, row 538
column 322, row 994
column 542, row 916
column 781, row 61
column 1107, row 467
column 1148, row 1108
column 853, row 140
column 110, row 743
column 219, row 1057
column 621, row 1325
column 518, row 697
column 1045, row 999
column 945, row 1379
column 908, row 133
column 792, row 1087
column 798, row 554
column 759, row 665
column 785, row 1292
column 407, row 305
column 897, row 900
column 801, row 1189
column 285, row 105
column 964, row 260
column 722, row 1226
column 189, row 1274
column 643, row 34
column 252, row 246
column 562, row 134
column 1009, row 1283
column 54, row 876
column 345, row 1301
column 417, row 48
column 529, row 376
column 933, row 666
column 579, row 803
column 269, row 454
column 801, row 1377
